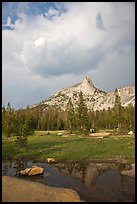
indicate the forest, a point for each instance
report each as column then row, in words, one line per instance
column 25, row 121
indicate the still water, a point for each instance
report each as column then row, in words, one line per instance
column 94, row 182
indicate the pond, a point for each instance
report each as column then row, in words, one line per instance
column 94, row 182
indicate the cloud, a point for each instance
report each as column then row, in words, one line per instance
column 72, row 42
column 65, row 41
column 40, row 41
column 99, row 21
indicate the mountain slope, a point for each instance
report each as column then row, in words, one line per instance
column 95, row 98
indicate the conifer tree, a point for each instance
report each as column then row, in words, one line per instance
column 71, row 122
column 24, row 128
column 82, row 114
column 8, row 122
column 118, row 111
column 129, row 117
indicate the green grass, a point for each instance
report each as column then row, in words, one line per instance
column 41, row 146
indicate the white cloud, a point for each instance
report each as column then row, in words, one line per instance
column 47, row 52
column 40, row 41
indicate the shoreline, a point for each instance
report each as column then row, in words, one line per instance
column 128, row 167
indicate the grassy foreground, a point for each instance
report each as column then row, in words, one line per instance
column 71, row 147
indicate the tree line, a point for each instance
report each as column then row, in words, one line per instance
column 24, row 122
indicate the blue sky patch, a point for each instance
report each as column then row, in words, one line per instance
column 12, row 9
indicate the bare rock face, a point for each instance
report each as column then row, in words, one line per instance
column 95, row 98
column 18, row 190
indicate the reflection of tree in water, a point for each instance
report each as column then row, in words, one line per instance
column 13, row 167
column 81, row 169
column 87, row 173
column 5, row 167
column 84, row 170
column 122, row 182
column 20, row 165
column 91, row 176
column 77, row 170
column 94, row 171
column 10, row 168
column 70, row 167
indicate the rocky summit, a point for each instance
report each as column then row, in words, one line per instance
column 95, row 98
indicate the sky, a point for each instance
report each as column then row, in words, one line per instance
column 47, row 46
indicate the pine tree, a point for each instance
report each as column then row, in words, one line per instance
column 24, row 128
column 8, row 122
column 82, row 115
column 71, row 123
column 109, row 119
column 118, row 111
column 129, row 117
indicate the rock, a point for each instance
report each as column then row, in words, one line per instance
column 130, row 172
column 133, row 166
column 99, row 134
column 65, row 136
column 25, row 171
column 128, row 167
column 35, row 170
column 50, row 160
column 130, row 132
column 34, row 166
column 95, row 99
column 18, row 190
column 60, row 134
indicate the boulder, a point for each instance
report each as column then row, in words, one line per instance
column 25, row 171
column 60, row 134
column 130, row 172
column 130, row 132
column 50, row 160
column 20, row 190
column 133, row 166
column 35, row 170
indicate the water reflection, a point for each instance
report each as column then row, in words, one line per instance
column 87, row 173
column 103, row 181
column 12, row 168
column 94, row 182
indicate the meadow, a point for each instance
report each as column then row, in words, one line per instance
column 43, row 145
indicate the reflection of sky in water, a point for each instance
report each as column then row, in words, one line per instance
column 93, row 182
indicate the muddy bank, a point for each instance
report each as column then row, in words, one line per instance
column 17, row 190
